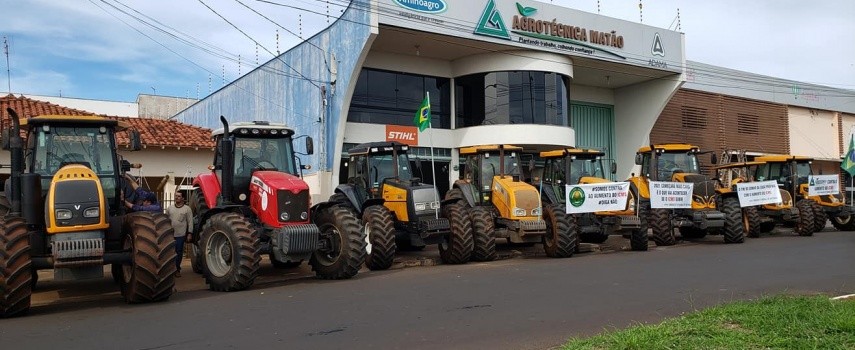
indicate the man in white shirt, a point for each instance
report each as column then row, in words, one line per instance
column 182, row 223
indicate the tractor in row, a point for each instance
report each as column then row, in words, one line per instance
column 253, row 202
column 62, row 210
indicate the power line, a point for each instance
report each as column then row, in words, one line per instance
column 259, row 44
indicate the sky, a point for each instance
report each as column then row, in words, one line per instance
column 93, row 49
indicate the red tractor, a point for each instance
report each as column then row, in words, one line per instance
column 254, row 202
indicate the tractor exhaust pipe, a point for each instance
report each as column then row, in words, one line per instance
column 16, row 146
column 227, row 149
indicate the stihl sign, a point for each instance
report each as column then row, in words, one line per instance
column 408, row 135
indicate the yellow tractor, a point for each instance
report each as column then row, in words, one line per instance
column 585, row 166
column 679, row 163
column 762, row 218
column 503, row 206
column 397, row 207
column 66, row 213
column 792, row 174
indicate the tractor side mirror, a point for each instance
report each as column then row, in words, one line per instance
column 4, row 138
column 614, row 168
column 136, row 140
column 713, row 158
column 310, row 145
column 638, row 159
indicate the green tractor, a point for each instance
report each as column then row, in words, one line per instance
column 66, row 213
column 585, row 166
column 397, row 209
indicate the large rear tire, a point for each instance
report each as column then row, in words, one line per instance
column 844, row 223
column 16, row 267
column 733, row 229
column 751, row 222
column 638, row 238
column 663, row 230
column 806, row 225
column 819, row 216
column 379, row 227
column 483, row 234
column 230, row 252
column 344, row 251
column 151, row 274
column 561, row 239
column 457, row 246
column 199, row 208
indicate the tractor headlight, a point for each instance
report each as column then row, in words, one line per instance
column 93, row 212
column 63, row 214
column 434, row 205
column 284, row 216
column 519, row 212
column 535, row 211
column 421, row 206
column 304, row 216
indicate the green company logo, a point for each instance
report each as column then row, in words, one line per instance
column 577, row 197
column 491, row 23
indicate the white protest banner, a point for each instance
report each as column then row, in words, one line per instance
column 758, row 193
column 591, row 198
column 670, row 195
column 823, row 185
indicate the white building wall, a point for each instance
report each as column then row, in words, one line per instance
column 114, row 108
column 848, row 121
column 636, row 109
column 814, row 133
column 591, row 94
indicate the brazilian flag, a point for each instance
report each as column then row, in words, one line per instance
column 849, row 162
column 422, row 119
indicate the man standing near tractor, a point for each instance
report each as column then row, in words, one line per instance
column 182, row 218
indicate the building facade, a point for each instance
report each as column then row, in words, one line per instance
column 526, row 73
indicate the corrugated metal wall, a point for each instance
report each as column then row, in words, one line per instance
column 594, row 125
column 288, row 89
column 715, row 122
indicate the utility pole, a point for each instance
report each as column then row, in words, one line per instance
column 8, row 69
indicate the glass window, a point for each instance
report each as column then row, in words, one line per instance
column 669, row 163
column 580, row 168
column 256, row 154
column 383, row 97
column 519, row 97
column 67, row 145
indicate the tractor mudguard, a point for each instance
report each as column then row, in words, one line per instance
column 550, row 196
column 350, row 192
column 210, row 186
column 466, row 189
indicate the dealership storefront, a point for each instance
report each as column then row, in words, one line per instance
column 526, row 73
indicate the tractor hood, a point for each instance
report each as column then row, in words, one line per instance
column 276, row 180
column 515, row 199
column 702, row 192
column 592, row 180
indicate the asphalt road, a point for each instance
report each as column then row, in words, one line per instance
column 519, row 303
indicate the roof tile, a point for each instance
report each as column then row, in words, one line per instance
column 154, row 132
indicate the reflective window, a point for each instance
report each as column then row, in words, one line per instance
column 383, row 97
column 519, row 97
